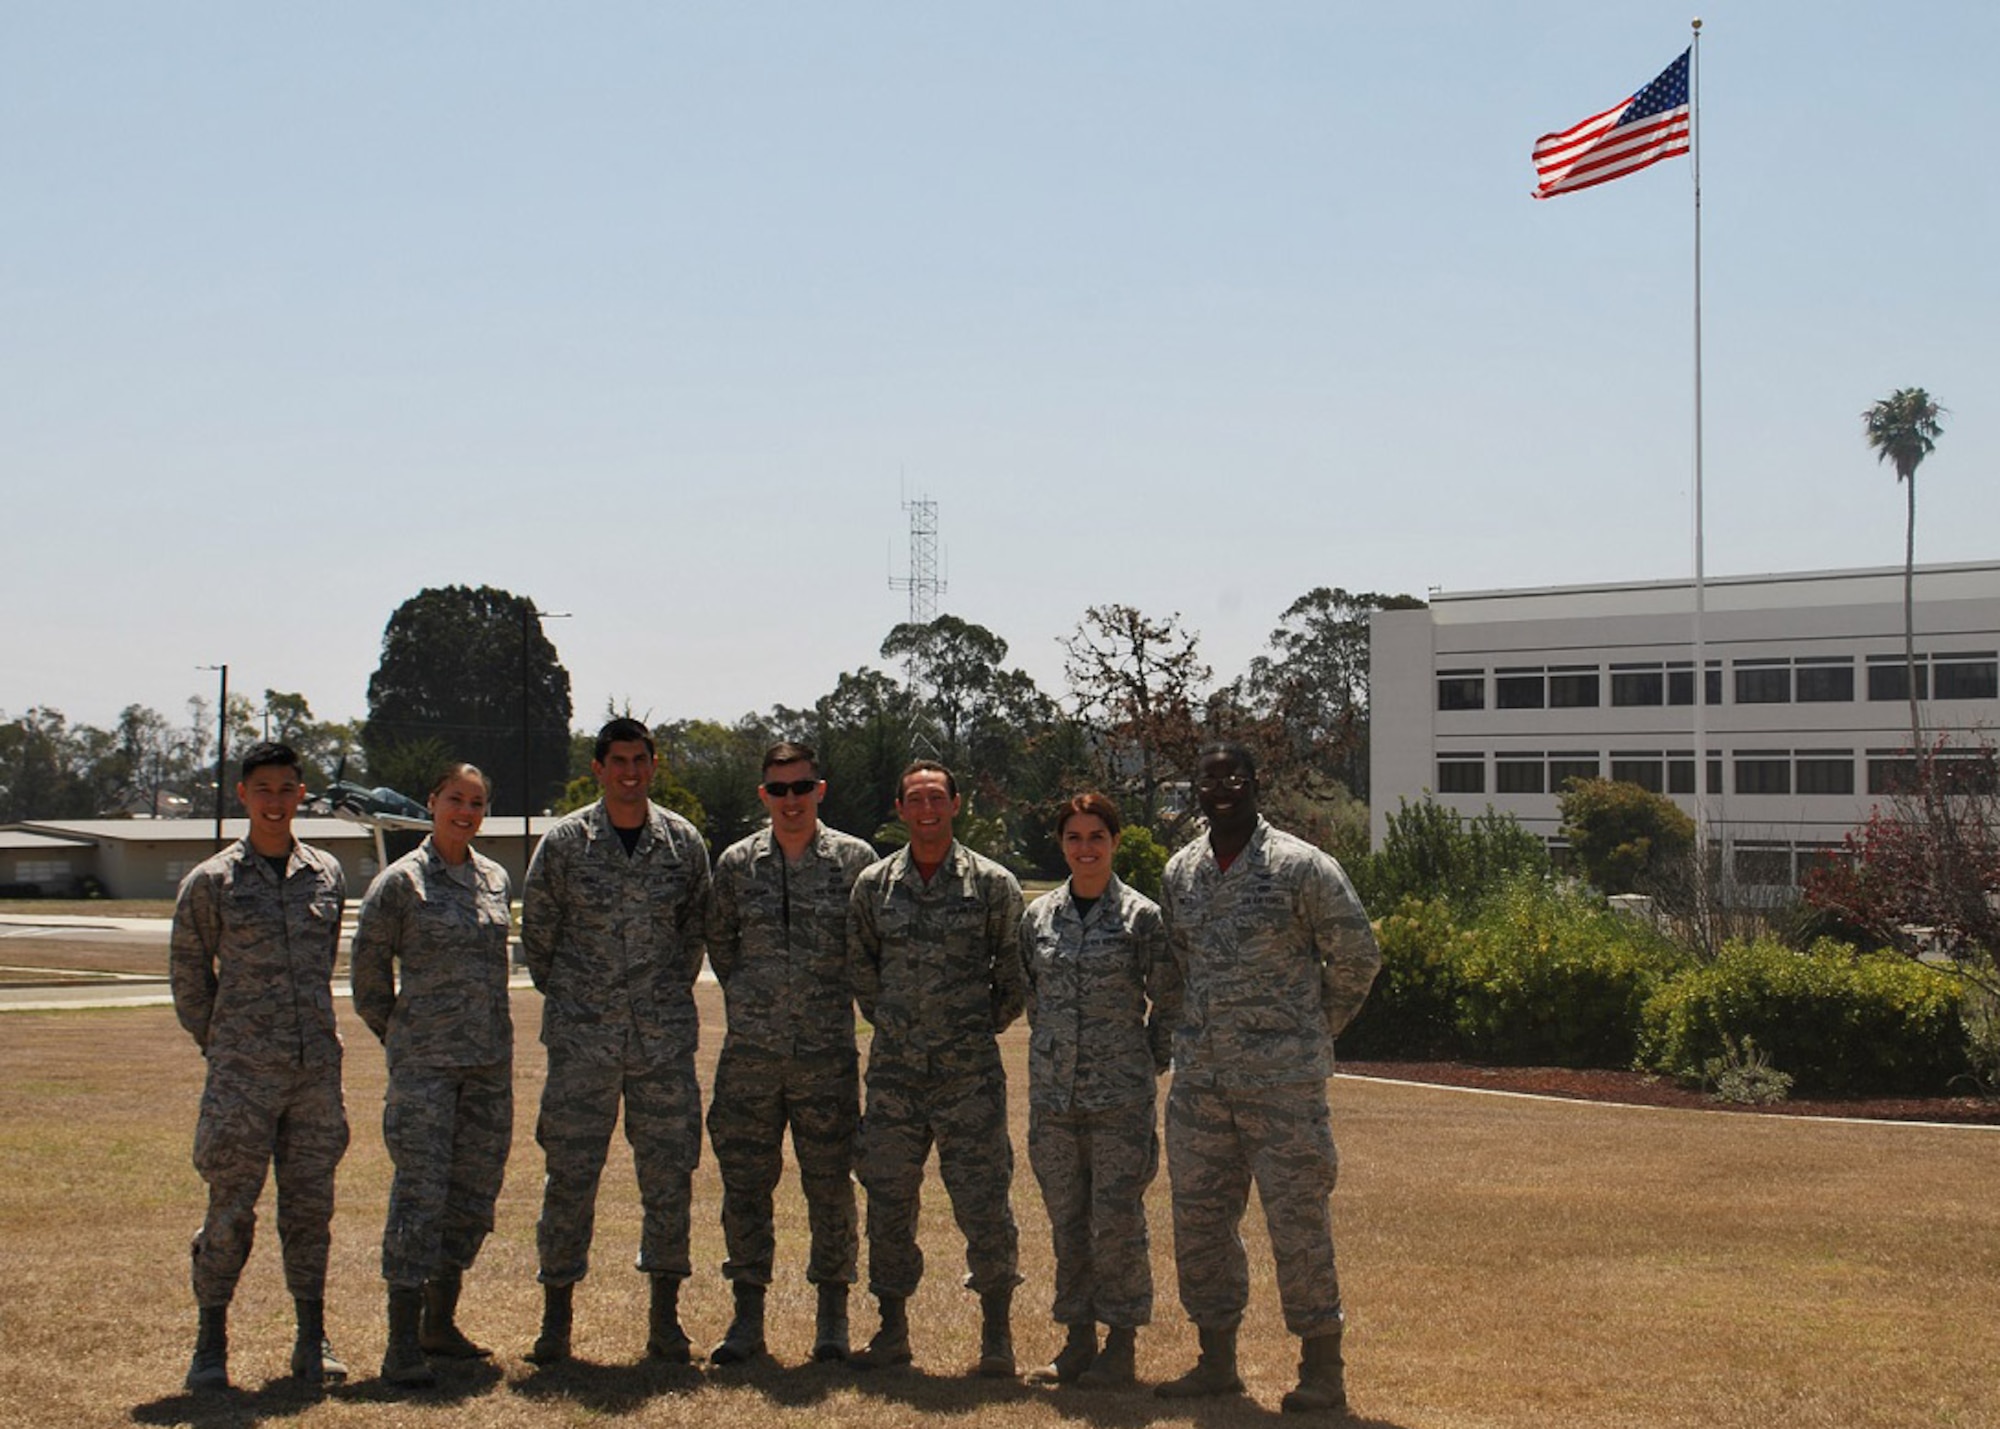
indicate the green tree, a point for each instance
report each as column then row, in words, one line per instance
column 721, row 765
column 39, row 773
column 863, row 731
column 1314, row 686
column 328, row 749
column 150, row 756
column 1626, row 838
column 665, row 790
column 451, row 673
column 1903, row 428
column 954, row 667
column 1136, row 685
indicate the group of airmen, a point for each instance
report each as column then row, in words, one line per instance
column 1239, row 979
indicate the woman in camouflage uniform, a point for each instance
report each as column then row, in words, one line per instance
column 442, row 914
column 1102, row 997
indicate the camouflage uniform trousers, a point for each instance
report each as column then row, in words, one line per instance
column 663, row 1124
column 1219, row 1140
column 964, row 1113
column 1094, row 1168
column 257, row 1118
column 448, row 1130
column 757, row 1095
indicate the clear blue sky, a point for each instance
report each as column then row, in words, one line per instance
column 655, row 312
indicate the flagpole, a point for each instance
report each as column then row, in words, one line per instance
column 1700, row 588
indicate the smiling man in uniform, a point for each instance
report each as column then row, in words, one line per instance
column 256, row 931
column 777, row 939
column 612, row 916
column 932, row 952
column 1277, row 956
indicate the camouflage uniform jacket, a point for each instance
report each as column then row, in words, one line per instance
column 614, row 940
column 777, row 939
column 252, row 956
column 1277, row 956
column 1090, row 979
column 936, row 967
column 447, row 926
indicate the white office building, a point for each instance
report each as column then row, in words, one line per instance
column 1496, row 697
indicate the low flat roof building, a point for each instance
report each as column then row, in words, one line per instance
column 1495, row 698
column 148, row 858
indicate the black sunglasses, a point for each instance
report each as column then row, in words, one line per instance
column 778, row 788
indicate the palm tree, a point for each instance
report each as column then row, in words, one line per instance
column 1903, row 429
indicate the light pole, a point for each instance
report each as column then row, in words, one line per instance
column 528, row 614
column 221, row 745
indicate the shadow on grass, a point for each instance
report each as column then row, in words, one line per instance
column 946, row 1395
column 239, row 1408
column 608, row 1388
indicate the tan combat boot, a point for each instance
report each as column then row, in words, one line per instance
column 1322, row 1377
column 1214, row 1373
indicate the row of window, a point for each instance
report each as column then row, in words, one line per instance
column 1775, row 771
column 42, row 871
column 1813, row 679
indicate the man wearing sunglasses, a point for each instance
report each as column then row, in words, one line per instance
column 1277, row 957
column 777, row 939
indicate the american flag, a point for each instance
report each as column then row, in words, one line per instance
column 1650, row 126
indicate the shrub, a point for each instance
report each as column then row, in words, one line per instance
column 1745, row 1076
column 1624, row 837
column 1836, row 1020
column 1430, row 851
column 1141, row 860
column 1551, row 975
column 1410, row 1010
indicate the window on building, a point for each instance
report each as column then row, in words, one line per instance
column 1812, row 857
column 1461, row 774
column 1573, row 688
column 1965, row 772
column 1888, row 678
column 1680, row 772
column 1517, row 689
column 1891, row 771
column 43, row 871
column 1646, row 768
column 1680, row 683
column 1637, row 685
column 1763, row 865
column 1763, row 772
column 1967, row 677
column 1824, row 681
column 1517, row 774
column 1461, row 689
column 1763, row 682
column 1565, row 767
column 1824, row 771
column 177, row 869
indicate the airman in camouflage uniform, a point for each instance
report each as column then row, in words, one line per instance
column 612, row 926
column 1277, row 956
column 1102, row 999
column 440, row 916
column 255, row 933
column 936, row 967
column 777, row 939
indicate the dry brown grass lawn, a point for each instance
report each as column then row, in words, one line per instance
column 1507, row 1262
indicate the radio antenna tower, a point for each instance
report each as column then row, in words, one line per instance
column 924, row 582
